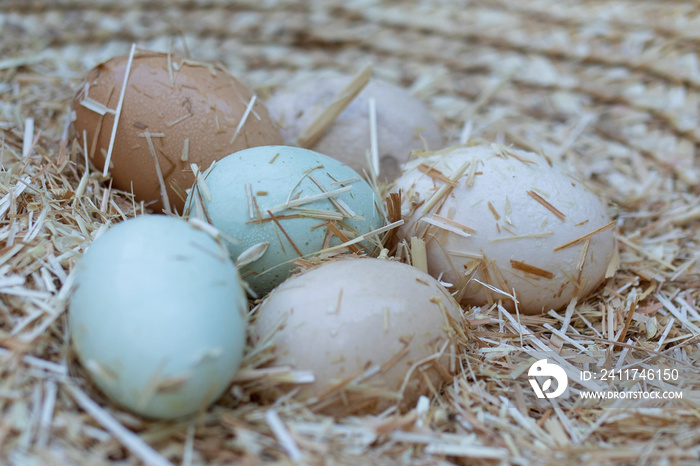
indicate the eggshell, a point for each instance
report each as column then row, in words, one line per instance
column 403, row 122
column 366, row 316
column 158, row 316
column 247, row 189
column 191, row 110
column 513, row 221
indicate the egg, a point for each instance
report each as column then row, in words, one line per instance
column 279, row 204
column 373, row 332
column 175, row 112
column 499, row 221
column 158, row 316
column 404, row 123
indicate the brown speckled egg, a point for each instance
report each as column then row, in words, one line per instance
column 177, row 109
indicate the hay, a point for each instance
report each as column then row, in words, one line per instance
column 609, row 88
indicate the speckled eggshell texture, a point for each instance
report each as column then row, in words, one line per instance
column 158, row 316
column 259, row 196
column 189, row 111
column 403, row 122
column 508, row 219
column 360, row 326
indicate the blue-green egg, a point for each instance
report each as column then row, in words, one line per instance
column 276, row 204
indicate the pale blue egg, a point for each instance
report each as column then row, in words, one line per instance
column 158, row 316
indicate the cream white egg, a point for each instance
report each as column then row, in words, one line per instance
column 500, row 222
column 404, row 123
column 158, row 316
column 373, row 333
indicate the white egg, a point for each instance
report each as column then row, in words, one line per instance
column 404, row 123
column 158, row 316
column 499, row 221
column 281, row 203
column 373, row 332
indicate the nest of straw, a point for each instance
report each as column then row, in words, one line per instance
column 607, row 88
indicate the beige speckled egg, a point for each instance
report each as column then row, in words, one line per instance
column 370, row 330
column 175, row 112
column 499, row 221
column 404, row 123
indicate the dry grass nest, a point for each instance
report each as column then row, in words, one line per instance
column 608, row 88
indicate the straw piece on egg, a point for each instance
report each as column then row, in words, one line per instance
column 310, row 135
